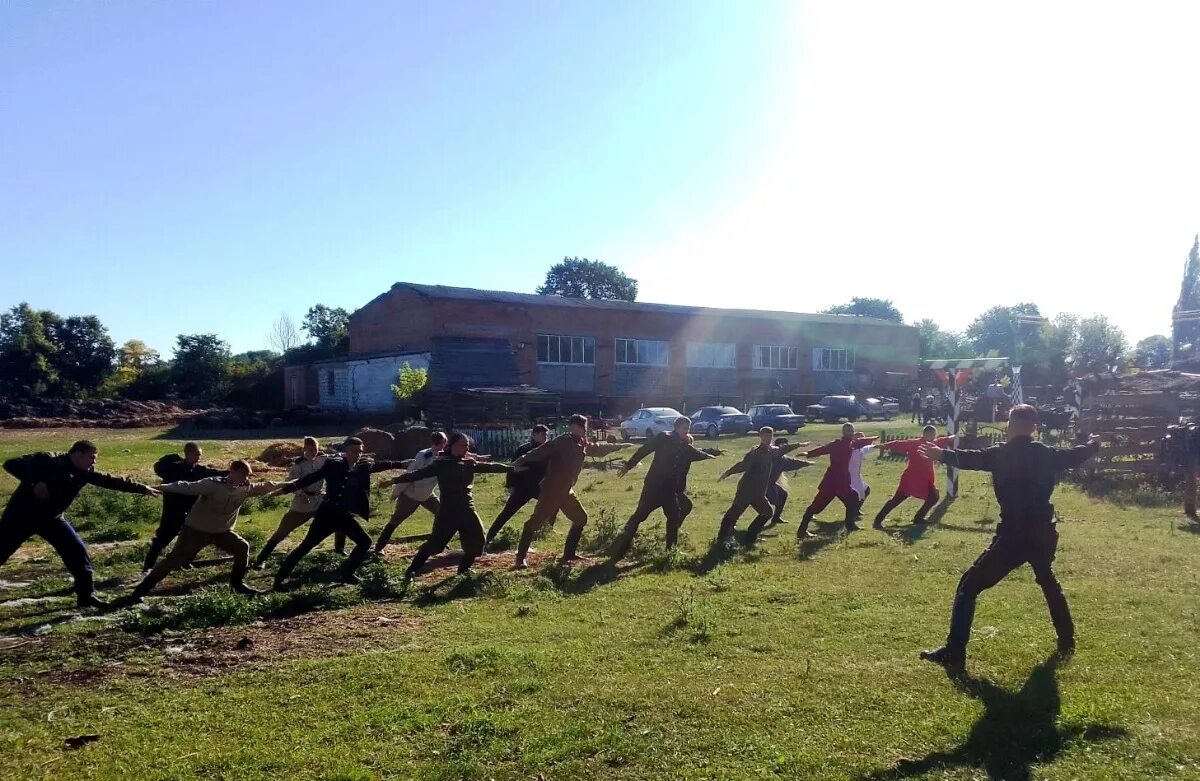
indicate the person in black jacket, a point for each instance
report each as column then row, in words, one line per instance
column 523, row 486
column 1024, row 474
column 47, row 484
column 455, row 471
column 347, row 493
column 173, row 468
column 777, row 495
column 661, row 488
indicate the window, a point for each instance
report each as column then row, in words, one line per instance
column 769, row 356
column 641, row 351
column 713, row 355
column 831, row 359
column 329, row 383
column 552, row 348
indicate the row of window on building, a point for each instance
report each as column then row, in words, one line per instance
column 581, row 350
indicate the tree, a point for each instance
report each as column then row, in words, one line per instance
column 1100, row 347
column 879, row 308
column 409, row 382
column 27, row 365
column 284, row 335
column 936, row 343
column 1153, row 352
column 329, row 328
column 84, row 355
column 994, row 332
column 201, row 366
column 1186, row 335
column 583, row 278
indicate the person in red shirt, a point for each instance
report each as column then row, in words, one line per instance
column 918, row 481
column 836, row 482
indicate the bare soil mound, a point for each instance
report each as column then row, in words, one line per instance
column 91, row 413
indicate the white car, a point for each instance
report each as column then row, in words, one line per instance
column 649, row 421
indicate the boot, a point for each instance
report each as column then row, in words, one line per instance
column 91, row 599
column 803, row 532
column 953, row 659
column 237, row 581
column 152, row 556
column 523, row 548
column 620, row 548
column 572, row 544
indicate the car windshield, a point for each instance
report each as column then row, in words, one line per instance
column 662, row 411
column 729, row 411
column 830, row 400
column 779, row 410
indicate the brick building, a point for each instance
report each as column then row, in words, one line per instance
column 609, row 356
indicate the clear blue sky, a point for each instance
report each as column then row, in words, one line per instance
column 181, row 167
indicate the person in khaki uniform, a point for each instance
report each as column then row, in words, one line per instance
column 210, row 522
column 304, row 505
column 563, row 456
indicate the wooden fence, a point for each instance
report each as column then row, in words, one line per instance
column 1131, row 426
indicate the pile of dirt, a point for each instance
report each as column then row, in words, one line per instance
column 377, row 443
column 91, row 413
column 410, row 441
column 280, row 454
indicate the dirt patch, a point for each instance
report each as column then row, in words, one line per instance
column 97, row 413
column 501, row 561
column 377, row 443
column 280, row 454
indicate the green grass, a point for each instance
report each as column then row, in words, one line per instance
column 785, row 662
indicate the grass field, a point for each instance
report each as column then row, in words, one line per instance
column 785, row 662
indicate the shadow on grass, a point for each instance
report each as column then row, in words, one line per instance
column 721, row 551
column 1190, row 526
column 827, row 534
column 1017, row 730
column 916, row 531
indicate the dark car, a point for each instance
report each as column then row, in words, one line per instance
column 715, row 421
column 778, row 416
column 831, row 409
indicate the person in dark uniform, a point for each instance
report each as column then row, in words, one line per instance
column 523, row 486
column 661, row 488
column 777, row 495
column 563, row 457
column 455, row 473
column 47, row 484
column 757, row 468
column 1024, row 473
column 173, row 468
column 347, row 493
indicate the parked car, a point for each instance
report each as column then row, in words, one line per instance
column 890, row 405
column 831, row 409
column 649, row 421
column 715, row 421
column 878, row 409
column 778, row 416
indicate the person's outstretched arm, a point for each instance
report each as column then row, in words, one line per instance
column 494, row 467
column 541, row 452
column 820, row 451
column 386, row 466
column 1073, row 457
column 792, row 464
column 432, row 470
column 308, row 479
column 188, row 487
column 737, row 468
column 972, row 460
column 114, row 483
column 648, row 447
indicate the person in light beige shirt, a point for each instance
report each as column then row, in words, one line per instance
column 304, row 505
column 210, row 522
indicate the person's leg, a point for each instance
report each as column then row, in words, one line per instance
column 543, row 515
column 673, row 510
column 1189, row 492
column 649, row 501
column 778, row 497
column 322, row 526
column 13, row 534
column 74, row 554
column 169, row 525
column 470, row 534
column 930, row 500
column 1041, row 559
column 891, row 504
column 574, row 512
column 819, row 503
column 291, row 520
column 405, row 507
column 233, row 544
column 187, row 545
column 999, row 559
column 685, row 506
column 444, row 529
column 350, row 527
column 516, row 500
column 339, row 543
column 765, row 511
column 730, row 518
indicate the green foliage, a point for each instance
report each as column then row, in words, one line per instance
column 84, row 354
column 1153, row 352
column 26, row 353
column 937, row 343
column 602, row 531
column 378, row 581
column 409, row 382
column 329, row 328
column 879, row 308
column 1185, row 335
column 583, row 278
column 44, row 354
column 201, row 366
column 110, row 516
column 1100, row 346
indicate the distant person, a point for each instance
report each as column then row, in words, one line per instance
column 836, row 483
column 411, row 495
column 660, row 488
column 304, row 504
column 47, row 483
column 918, row 480
column 1024, row 473
column 210, row 521
column 347, row 494
column 777, row 494
column 756, row 467
column 857, row 483
column 563, row 457
column 454, row 470
column 523, row 486
column 915, row 403
column 173, row 468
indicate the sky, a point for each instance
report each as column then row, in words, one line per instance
column 193, row 167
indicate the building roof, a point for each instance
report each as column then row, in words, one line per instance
column 530, row 299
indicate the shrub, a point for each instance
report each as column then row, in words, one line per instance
column 602, row 531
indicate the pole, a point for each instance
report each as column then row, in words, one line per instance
column 952, row 425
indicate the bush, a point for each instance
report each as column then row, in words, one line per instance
column 110, row 516
column 378, row 582
column 218, row 606
column 602, row 531
column 694, row 615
